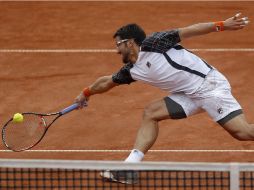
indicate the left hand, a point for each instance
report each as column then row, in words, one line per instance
column 235, row 22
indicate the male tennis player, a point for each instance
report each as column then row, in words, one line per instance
column 195, row 85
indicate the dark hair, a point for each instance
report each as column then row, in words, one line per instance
column 130, row 31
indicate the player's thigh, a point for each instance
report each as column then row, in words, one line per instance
column 237, row 125
column 180, row 106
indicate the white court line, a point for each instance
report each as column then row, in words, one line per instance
column 114, row 51
column 153, row 151
column 57, row 50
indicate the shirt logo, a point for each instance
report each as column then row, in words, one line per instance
column 220, row 111
column 148, row 64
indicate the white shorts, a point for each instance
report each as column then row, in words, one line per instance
column 213, row 96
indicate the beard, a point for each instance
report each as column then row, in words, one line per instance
column 125, row 59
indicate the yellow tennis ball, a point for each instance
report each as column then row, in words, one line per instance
column 18, row 118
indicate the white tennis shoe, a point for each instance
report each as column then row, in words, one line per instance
column 125, row 177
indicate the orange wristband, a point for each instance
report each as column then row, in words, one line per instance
column 86, row 92
column 219, row 26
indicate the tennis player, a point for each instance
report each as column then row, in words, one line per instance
column 195, row 86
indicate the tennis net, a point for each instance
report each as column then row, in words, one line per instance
column 76, row 174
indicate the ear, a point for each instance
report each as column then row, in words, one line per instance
column 131, row 42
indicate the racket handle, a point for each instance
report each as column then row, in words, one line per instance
column 69, row 109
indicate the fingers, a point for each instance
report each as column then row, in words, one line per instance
column 237, row 27
column 82, row 104
column 238, row 22
column 243, row 21
column 237, row 16
column 81, row 100
column 79, row 104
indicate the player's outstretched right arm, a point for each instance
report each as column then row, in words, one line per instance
column 101, row 85
column 233, row 23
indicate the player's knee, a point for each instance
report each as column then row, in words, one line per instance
column 149, row 113
column 239, row 136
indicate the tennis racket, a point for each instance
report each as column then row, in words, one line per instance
column 28, row 133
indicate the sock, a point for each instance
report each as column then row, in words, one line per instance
column 135, row 156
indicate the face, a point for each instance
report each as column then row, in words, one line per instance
column 122, row 49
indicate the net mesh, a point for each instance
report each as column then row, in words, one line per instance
column 65, row 177
column 247, row 180
column 91, row 179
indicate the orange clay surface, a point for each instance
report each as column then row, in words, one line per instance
column 48, row 82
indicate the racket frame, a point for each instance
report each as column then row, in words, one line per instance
column 58, row 114
column 28, row 113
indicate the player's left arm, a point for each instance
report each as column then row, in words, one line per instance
column 233, row 23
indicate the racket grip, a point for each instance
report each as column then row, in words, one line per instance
column 69, row 109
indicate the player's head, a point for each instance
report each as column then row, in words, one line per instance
column 131, row 31
column 125, row 36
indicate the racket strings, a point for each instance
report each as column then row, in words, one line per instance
column 22, row 135
column 48, row 119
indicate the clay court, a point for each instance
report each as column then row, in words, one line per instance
column 49, row 81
